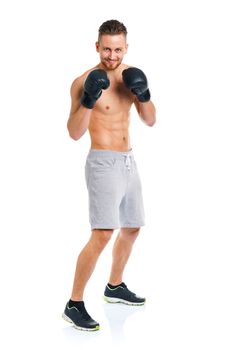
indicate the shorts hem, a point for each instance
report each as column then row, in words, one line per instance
column 104, row 227
column 107, row 227
column 132, row 225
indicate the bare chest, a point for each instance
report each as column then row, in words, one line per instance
column 117, row 98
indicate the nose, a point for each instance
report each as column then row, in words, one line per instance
column 112, row 56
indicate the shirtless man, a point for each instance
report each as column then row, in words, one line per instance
column 101, row 101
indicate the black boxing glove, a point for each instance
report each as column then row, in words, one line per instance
column 136, row 81
column 95, row 82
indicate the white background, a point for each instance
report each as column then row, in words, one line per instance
column 179, row 261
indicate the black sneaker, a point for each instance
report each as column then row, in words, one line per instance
column 122, row 294
column 80, row 319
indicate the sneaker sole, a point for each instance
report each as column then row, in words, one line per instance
column 66, row 318
column 122, row 301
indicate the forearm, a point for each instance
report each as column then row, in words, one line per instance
column 78, row 122
column 147, row 112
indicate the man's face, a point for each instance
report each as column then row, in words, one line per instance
column 111, row 48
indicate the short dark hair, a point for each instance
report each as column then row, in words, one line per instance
column 112, row 27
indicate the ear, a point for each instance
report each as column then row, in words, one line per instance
column 127, row 45
column 97, row 46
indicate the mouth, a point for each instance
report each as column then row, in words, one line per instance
column 111, row 61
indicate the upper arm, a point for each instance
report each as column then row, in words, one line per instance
column 76, row 92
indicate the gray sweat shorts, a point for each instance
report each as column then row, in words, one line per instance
column 114, row 188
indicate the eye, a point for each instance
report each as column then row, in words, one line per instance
column 106, row 49
column 118, row 50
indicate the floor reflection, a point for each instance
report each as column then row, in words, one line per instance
column 75, row 337
column 117, row 314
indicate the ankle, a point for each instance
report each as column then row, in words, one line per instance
column 75, row 302
column 111, row 285
column 115, row 282
column 77, row 297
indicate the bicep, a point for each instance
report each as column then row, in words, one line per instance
column 76, row 93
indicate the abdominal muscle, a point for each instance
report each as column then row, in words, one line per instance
column 110, row 131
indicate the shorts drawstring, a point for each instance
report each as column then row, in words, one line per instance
column 128, row 161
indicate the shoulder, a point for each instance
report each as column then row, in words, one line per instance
column 78, row 82
column 125, row 66
column 82, row 77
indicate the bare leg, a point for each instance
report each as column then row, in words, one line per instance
column 121, row 252
column 87, row 261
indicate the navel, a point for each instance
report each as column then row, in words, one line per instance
column 124, row 139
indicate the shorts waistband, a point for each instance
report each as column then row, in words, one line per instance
column 93, row 153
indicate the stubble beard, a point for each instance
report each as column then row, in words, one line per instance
column 109, row 67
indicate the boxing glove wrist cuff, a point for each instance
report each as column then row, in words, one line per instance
column 89, row 101
column 145, row 97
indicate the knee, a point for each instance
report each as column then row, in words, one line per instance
column 101, row 237
column 130, row 233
